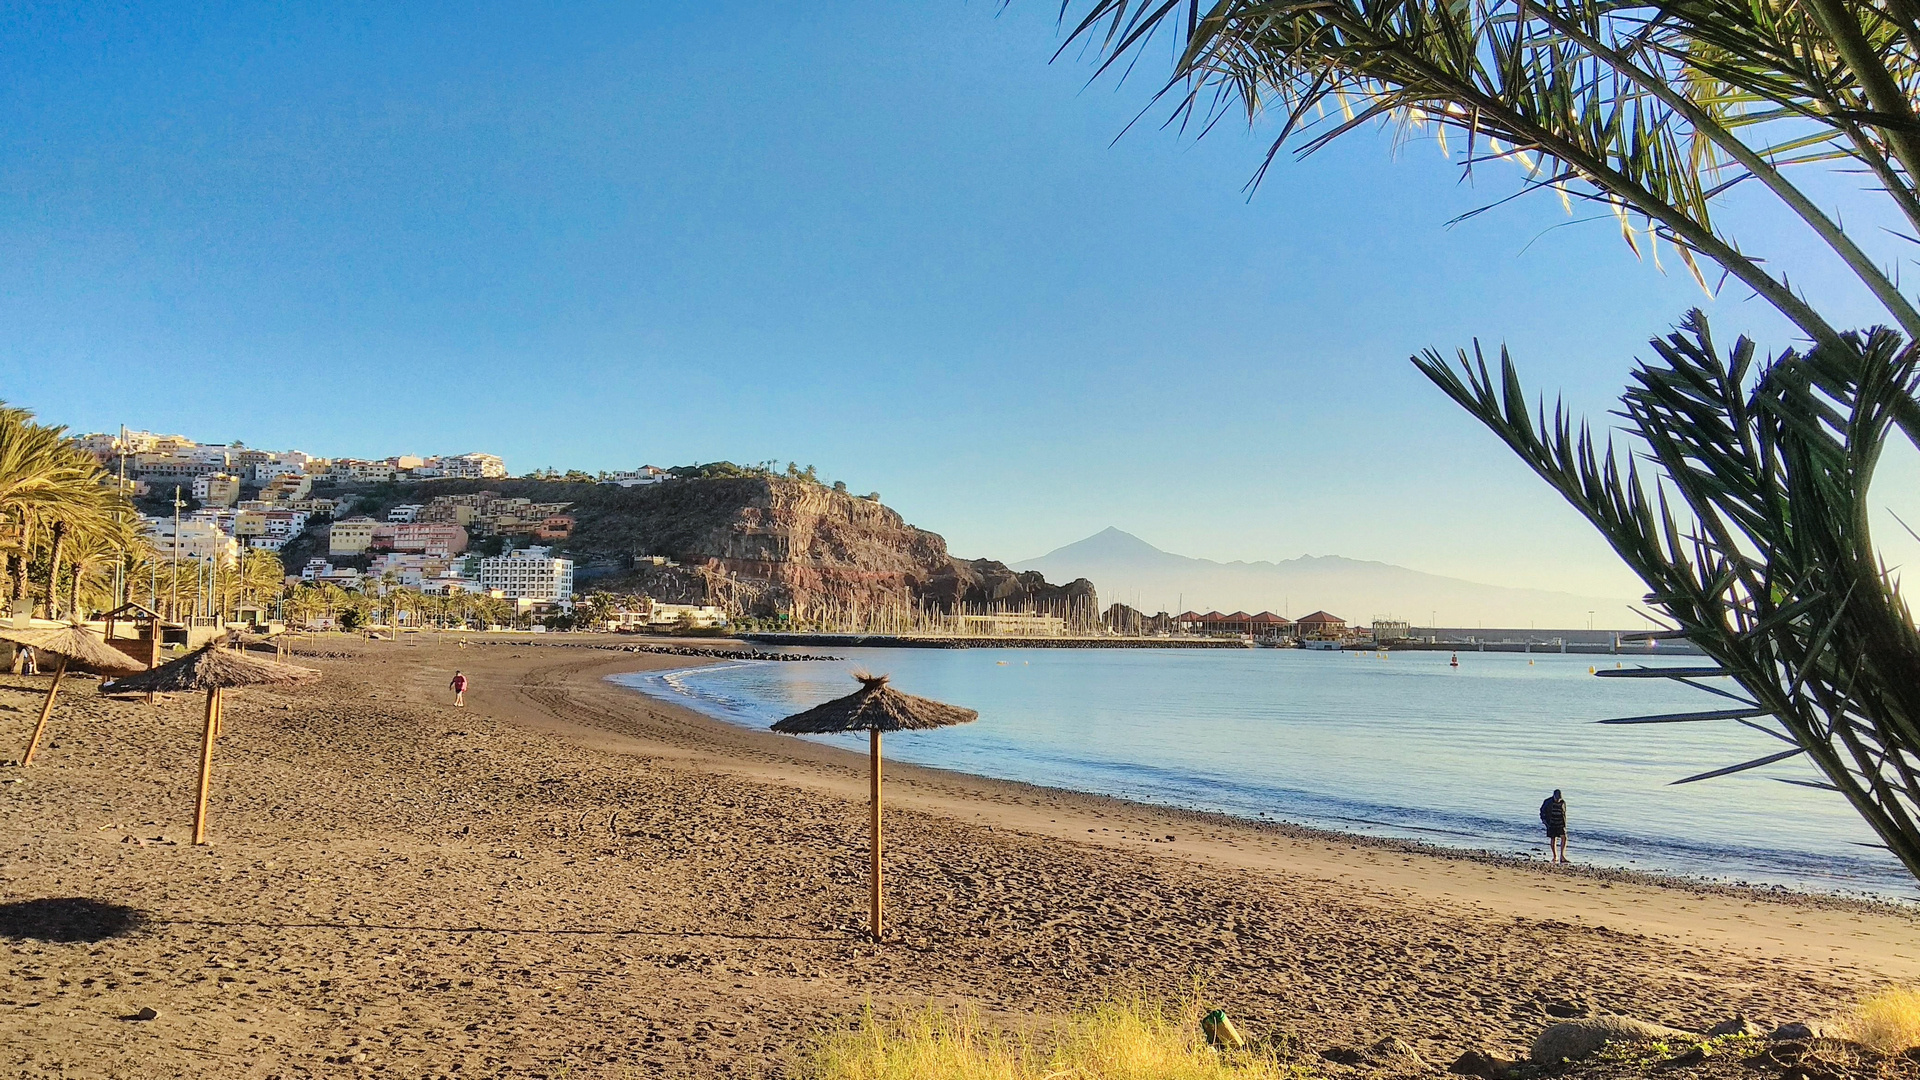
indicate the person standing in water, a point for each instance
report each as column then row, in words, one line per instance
column 1553, row 814
column 459, row 688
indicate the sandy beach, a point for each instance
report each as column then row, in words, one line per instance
column 566, row 878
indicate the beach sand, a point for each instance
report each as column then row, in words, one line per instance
column 568, row 879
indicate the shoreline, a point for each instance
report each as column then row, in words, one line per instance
column 569, row 875
column 1863, row 900
column 955, row 792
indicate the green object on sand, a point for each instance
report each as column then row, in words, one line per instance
column 1220, row 1031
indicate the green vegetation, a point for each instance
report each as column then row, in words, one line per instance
column 1649, row 1054
column 1120, row 1039
column 1753, row 534
column 64, row 526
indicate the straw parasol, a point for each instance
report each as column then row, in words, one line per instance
column 213, row 669
column 69, row 643
column 874, row 708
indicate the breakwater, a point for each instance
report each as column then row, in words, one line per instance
column 897, row 641
column 666, row 650
column 522, row 643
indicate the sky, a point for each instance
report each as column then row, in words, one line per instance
column 899, row 242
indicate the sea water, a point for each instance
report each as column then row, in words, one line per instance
column 1398, row 744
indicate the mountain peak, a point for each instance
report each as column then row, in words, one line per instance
column 1109, row 543
column 1126, row 568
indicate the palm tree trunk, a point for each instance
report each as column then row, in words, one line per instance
column 53, row 568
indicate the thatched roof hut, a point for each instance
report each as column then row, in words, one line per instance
column 213, row 669
column 71, row 644
column 74, row 644
column 874, row 708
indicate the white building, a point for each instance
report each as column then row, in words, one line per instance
column 201, row 540
column 470, row 466
column 645, row 474
column 530, row 574
column 695, row 616
column 404, row 514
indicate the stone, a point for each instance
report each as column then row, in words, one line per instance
column 1794, row 1032
column 1564, row 1010
column 1575, row 1040
column 1343, row 1055
column 1739, row 1025
column 146, row 1013
column 1393, row 1051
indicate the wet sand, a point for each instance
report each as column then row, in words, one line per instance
column 568, row 879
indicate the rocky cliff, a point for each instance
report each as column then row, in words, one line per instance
column 771, row 545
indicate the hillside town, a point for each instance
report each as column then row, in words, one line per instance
column 479, row 558
column 209, row 506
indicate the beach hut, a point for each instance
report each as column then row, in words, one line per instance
column 874, row 708
column 214, row 670
column 75, row 644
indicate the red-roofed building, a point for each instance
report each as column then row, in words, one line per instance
column 1268, row 625
column 1321, row 626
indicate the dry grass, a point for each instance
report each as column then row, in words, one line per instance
column 1120, row 1039
column 1887, row 1022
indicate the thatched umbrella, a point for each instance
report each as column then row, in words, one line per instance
column 213, row 669
column 69, row 643
column 874, row 708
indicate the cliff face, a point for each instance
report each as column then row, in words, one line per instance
column 766, row 545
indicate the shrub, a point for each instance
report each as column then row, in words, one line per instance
column 1119, row 1039
column 1887, row 1022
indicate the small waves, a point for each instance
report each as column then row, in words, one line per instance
column 1408, row 749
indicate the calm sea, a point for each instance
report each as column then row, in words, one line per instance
column 1403, row 746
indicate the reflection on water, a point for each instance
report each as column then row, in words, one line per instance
column 1399, row 746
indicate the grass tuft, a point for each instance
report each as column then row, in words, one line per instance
column 1118, row 1039
column 1887, row 1022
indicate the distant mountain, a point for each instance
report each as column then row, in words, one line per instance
column 1128, row 570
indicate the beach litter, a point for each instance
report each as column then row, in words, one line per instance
column 1220, row 1031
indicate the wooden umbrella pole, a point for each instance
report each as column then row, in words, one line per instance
column 46, row 710
column 206, row 766
column 878, row 925
column 219, row 715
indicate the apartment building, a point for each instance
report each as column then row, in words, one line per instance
column 471, row 466
column 351, row 537
column 533, row 574
column 200, row 540
column 216, row 489
column 431, row 538
column 287, row 487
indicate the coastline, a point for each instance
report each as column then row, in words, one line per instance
column 569, row 873
column 1733, row 890
column 738, row 696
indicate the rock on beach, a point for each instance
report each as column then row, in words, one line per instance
column 1578, row 1039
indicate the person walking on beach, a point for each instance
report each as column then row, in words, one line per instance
column 459, row 688
column 1553, row 814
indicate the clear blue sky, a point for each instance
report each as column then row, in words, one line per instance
column 890, row 240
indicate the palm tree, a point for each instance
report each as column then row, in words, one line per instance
column 1753, row 537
